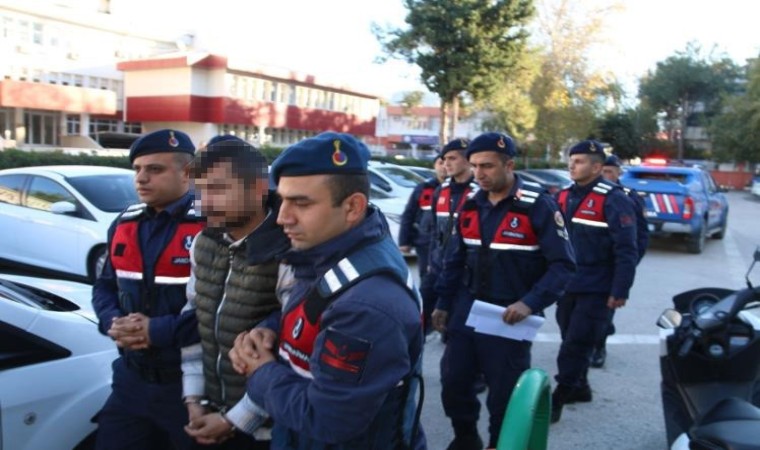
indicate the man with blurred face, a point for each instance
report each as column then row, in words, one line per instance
column 231, row 290
column 350, row 336
column 139, row 297
column 602, row 227
column 511, row 250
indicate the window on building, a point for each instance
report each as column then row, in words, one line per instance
column 37, row 33
column 98, row 126
column 133, row 127
column 78, row 80
column 41, row 128
column 7, row 30
column 73, row 124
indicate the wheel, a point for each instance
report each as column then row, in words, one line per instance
column 696, row 243
column 96, row 263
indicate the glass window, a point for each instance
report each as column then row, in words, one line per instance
column 110, row 193
column 43, row 192
column 73, row 125
column 402, row 177
column 10, row 188
column 37, row 33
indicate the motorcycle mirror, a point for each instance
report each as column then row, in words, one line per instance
column 755, row 258
column 669, row 319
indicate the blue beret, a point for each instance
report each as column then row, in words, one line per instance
column 612, row 160
column 325, row 153
column 454, row 144
column 161, row 141
column 588, row 147
column 492, row 142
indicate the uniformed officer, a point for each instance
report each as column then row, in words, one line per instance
column 602, row 227
column 232, row 288
column 139, row 296
column 512, row 250
column 611, row 172
column 350, row 336
column 448, row 199
column 417, row 229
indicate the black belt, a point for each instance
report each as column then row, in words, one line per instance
column 155, row 375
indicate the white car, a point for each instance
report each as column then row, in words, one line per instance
column 55, row 367
column 394, row 180
column 57, row 217
column 392, row 208
column 755, row 189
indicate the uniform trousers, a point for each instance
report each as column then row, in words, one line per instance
column 583, row 321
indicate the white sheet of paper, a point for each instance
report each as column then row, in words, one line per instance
column 486, row 318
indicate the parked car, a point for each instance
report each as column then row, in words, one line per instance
column 550, row 186
column 57, row 217
column 392, row 208
column 55, row 367
column 395, row 180
column 556, row 177
column 680, row 200
column 424, row 172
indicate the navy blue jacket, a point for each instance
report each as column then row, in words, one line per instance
column 116, row 297
column 602, row 227
column 375, row 323
column 532, row 262
column 444, row 217
column 417, row 222
column 642, row 228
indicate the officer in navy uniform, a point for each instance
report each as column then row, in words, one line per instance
column 350, row 335
column 611, row 172
column 602, row 227
column 139, row 296
column 417, row 229
column 511, row 249
column 448, row 199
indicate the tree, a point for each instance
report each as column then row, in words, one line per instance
column 685, row 85
column 461, row 46
column 736, row 130
column 411, row 100
column 569, row 93
column 630, row 133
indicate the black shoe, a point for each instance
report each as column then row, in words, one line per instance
column 466, row 442
column 579, row 395
column 598, row 358
column 559, row 399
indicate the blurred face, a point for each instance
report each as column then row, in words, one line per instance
column 491, row 172
column 225, row 199
column 440, row 169
column 611, row 173
column 457, row 166
column 307, row 214
column 583, row 169
column 160, row 179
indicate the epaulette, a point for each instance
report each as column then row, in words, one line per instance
column 604, row 187
column 133, row 211
column 528, row 193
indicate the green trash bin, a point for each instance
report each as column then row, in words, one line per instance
column 526, row 422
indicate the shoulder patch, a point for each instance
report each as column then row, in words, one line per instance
column 343, row 357
column 558, row 219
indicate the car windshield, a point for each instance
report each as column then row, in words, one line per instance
column 400, row 176
column 109, row 193
column 660, row 176
column 34, row 297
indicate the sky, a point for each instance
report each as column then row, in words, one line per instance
column 332, row 39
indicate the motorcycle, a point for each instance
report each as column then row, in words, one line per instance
column 710, row 366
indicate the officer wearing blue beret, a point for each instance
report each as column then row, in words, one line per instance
column 511, row 250
column 611, row 172
column 350, row 334
column 140, row 295
column 602, row 227
column 417, row 230
column 448, row 199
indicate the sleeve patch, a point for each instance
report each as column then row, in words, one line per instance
column 627, row 220
column 343, row 357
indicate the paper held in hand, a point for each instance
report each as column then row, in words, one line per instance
column 486, row 318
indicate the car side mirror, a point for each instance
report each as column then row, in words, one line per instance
column 669, row 319
column 63, row 208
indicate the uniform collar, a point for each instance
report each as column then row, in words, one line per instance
column 583, row 190
column 482, row 196
column 176, row 208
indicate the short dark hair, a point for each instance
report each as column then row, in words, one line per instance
column 596, row 158
column 343, row 186
column 246, row 161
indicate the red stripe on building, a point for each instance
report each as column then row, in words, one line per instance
column 207, row 62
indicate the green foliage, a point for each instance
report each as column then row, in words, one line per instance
column 11, row 158
column 736, row 130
